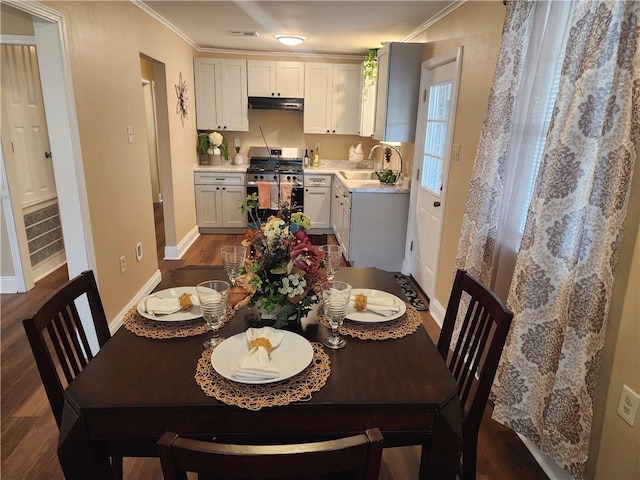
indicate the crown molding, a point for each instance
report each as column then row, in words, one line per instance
column 35, row 8
column 436, row 18
column 159, row 18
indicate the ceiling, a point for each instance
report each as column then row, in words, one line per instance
column 333, row 28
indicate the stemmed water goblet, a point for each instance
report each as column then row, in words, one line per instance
column 335, row 299
column 333, row 256
column 213, row 303
column 233, row 258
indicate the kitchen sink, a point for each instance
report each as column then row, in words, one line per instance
column 354, row 175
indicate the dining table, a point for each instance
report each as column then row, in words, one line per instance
column 136, row 388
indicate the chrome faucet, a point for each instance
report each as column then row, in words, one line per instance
column 387, row 148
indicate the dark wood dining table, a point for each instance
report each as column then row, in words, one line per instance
column 136, row 388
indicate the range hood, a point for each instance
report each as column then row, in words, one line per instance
column 276, row 103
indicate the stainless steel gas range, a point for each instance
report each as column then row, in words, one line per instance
column 273, row 174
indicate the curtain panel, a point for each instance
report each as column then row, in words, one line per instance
column 564, row 271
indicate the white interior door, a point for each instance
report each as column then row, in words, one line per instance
column 439, row 84
column 27, row 129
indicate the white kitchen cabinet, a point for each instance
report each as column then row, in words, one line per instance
column 221, row 94
column 317, row 201
column 397, row 86
column 378, row 230
column 341, row 215
column 275, row 79
column 218, row 199
column 332, row 98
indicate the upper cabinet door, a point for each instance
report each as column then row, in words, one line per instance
column 207, row 88
column 398, row 88
column 275, row 79
column 221, row 94
column 318, row 78
column 261, row 78
column 345, row 105
column 290, row 79
column 233, row 83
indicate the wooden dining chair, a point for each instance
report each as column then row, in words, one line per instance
column 59, row 341
column 473, row 360
column 357, row 457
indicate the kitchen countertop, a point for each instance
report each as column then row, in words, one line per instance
column 354, row 186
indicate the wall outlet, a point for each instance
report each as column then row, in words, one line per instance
column 123, row 265
column 138, row 251
column 628, row 406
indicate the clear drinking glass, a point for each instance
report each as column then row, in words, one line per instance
column 335, row 298
column 333, row 257
column 233, row 258
column 213, row 303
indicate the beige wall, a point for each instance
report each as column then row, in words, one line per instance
column 105, row 41
column 15, row 22
column 476, row 26
column 615, row 446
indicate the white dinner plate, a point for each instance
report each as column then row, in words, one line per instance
column 365, row 316
column 179, row 316
column 292, row 356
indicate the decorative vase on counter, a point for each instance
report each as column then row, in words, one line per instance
column 215, row 156
column 238, row 158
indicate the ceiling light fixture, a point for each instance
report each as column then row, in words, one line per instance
column 290, row 39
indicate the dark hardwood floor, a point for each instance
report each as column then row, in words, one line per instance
column 29, row 433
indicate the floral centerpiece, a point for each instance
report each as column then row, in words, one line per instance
column 283, row 271
column 208, row 142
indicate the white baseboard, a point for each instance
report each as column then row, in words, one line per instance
column 9, row 284
column 552, row 469
column 148, row 287
column 49, row 265
column 437, row 311
column 175, row 252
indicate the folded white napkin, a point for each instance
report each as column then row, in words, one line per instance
column 255, row 365
column 379, row 302
column 157, row 305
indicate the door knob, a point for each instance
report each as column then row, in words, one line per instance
column 48, row 155
column 436, row 204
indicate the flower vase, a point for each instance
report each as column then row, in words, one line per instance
column 215, row 157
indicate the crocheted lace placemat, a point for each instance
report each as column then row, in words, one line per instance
column 254, row 397
column 145, row 327
column 398, row 328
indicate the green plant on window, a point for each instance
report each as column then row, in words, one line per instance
column 369, row 70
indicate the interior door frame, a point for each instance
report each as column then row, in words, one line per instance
column 453, row 56
column 57, row 89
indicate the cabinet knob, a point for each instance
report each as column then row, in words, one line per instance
column 278, row 93
column 328, row 131
column 217, row 188
column 224, row 188
column 273, row 94
column 334, row 131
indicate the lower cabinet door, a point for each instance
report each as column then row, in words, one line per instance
column 208, row 205
column 317, row 206
column 232, row 197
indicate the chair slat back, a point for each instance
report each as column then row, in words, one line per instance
column 357, row 457
column 473, row 360
column 59, row 340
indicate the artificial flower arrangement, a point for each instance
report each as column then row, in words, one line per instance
column 207, row 142
column 283, row 271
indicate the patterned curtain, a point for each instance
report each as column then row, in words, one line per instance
column 481, row 220
column 564, row 271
